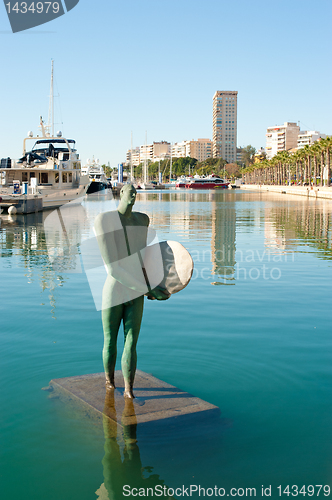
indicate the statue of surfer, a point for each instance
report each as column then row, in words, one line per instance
column 122, row 238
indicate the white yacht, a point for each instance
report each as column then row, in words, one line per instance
column 147, row 185
column 46, row 176
column 97, row 178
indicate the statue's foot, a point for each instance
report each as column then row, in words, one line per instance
column 128, row 393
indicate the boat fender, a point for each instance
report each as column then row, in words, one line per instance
column 12, row 210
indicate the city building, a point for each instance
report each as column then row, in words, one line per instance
column 260, row 155
column 281, row 138
column 150, row 152
column 135, row 153
column 239, row 156
column 180, row 149
column 306, row 138
column 161, row 149
column 200, row 149
column 225, row 125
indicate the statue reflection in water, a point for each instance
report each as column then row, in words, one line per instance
column 128, row 471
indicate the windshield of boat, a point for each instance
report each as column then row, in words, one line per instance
column 52, row 147
column 58, row 144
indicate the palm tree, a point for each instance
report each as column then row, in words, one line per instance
column 307, row 155
column 298, row 166
column 285, row 159
column 322, row 155
column 328, row 147
column 302, row 161
column 315, row 149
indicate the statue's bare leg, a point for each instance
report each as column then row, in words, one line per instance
column 111, row 319
column 132, row 319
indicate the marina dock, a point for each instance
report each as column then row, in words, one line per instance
column 23, row 204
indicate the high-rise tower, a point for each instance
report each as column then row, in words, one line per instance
column 225, row 125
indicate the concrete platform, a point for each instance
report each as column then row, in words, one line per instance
column 155, row 400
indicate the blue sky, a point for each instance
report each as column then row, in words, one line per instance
column 154, row 66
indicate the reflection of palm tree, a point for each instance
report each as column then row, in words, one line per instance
column 129, row 471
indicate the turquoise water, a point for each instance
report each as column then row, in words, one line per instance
column 250, row 334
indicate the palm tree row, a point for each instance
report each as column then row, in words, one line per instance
column 309, row 165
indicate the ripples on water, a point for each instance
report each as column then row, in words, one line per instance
column 259, row 349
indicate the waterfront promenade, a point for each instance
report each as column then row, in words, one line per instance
column 309, row 191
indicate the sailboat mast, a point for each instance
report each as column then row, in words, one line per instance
column 52, row 94
column 145, row 158
column 50, row 121
column 131, row 158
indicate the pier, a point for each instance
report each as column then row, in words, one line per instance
column 27, row 204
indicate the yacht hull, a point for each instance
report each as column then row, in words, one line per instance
column 95, row 187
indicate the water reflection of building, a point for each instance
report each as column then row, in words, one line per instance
column 223, row 239
column 287, row 223
column 212, row 217
column 175, row 212
column 45, row 250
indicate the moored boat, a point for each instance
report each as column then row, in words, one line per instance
column 47, row 176
column 147, row 186
column 97, row 177
column 183, row 180
column 210, row 182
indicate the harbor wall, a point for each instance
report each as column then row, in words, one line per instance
column 309, row 191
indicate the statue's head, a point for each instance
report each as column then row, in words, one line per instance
column 128, row 194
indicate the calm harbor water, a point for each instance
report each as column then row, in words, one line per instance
column 250, row 334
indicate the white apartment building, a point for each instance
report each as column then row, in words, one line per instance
column 281, row 138
column 308, row 137
column 225, row 125
column 161, row 149
column 149, row 152
column 135, row 153
column 180, row 149
column 146, row 152
column 200, row 149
